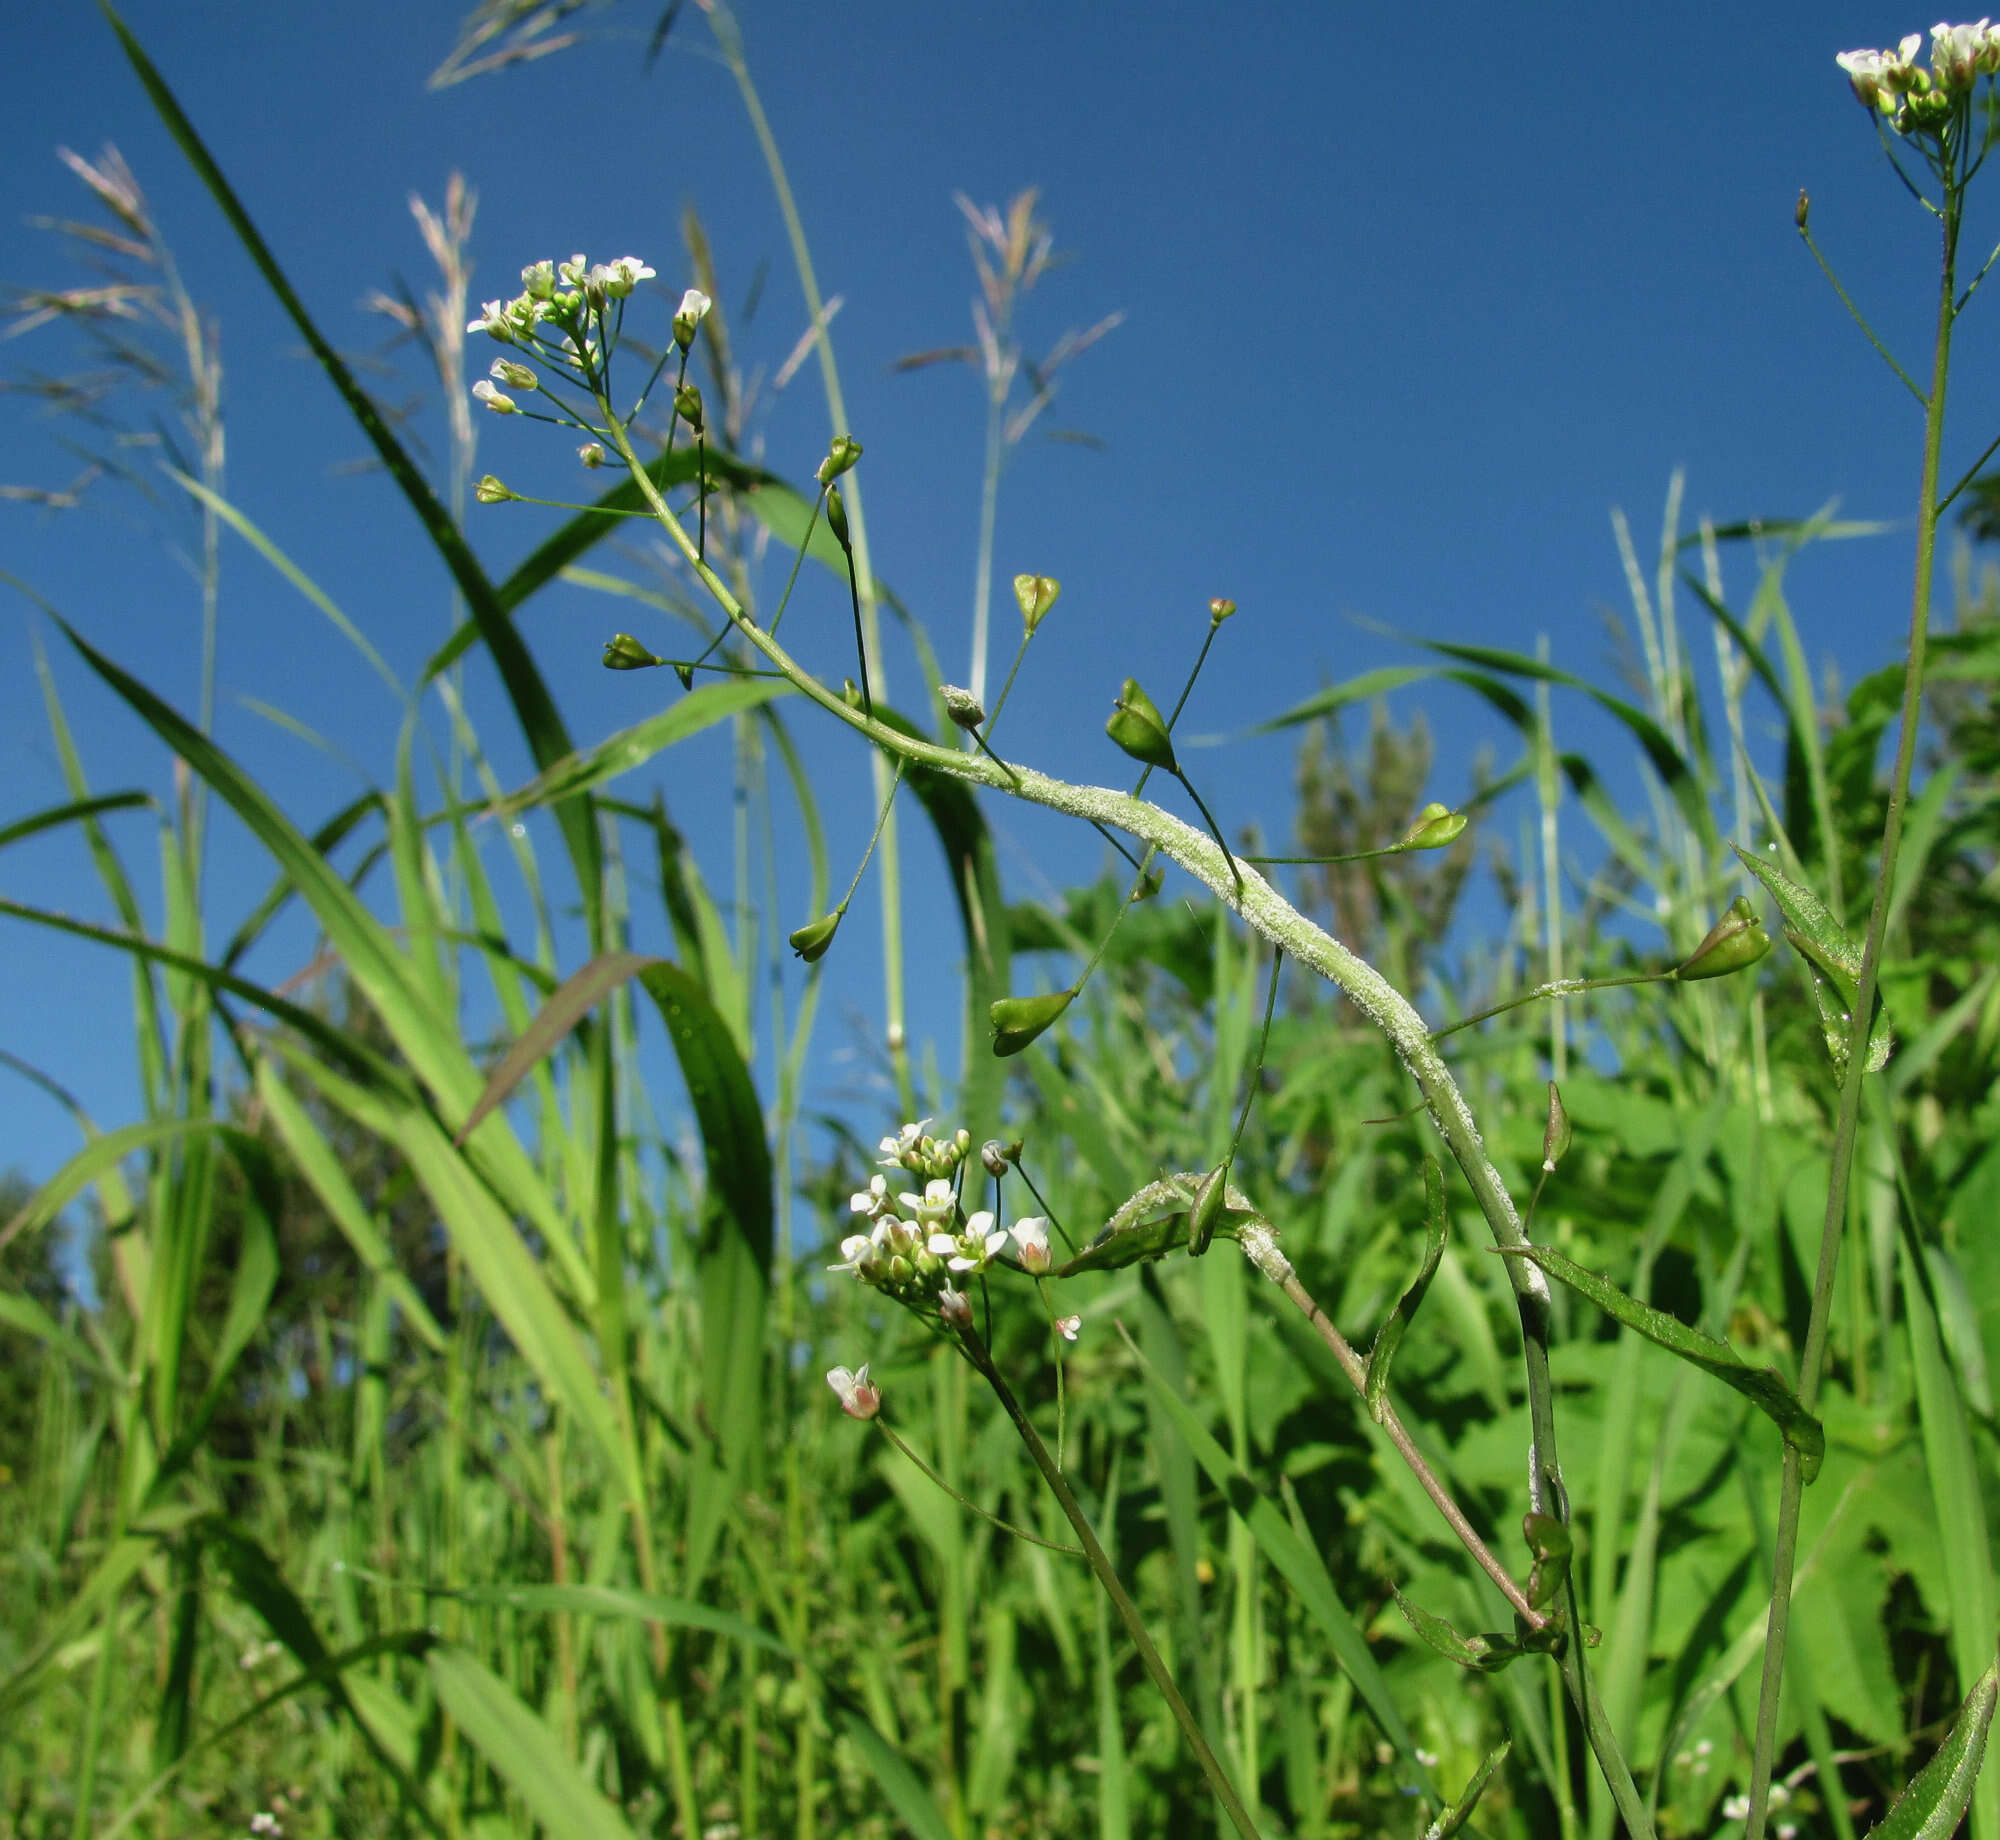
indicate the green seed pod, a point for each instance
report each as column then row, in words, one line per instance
column 687, row 405
column 1018, row 1020
column 1437, row 827
column 489, row 491
column 839, row 458
column 811, row 940
column 1734, row 943
column 1137, row 726
column 685, row 672
column 1556, row 1133
column 1036, row 594
column 836, row 516
column 625, row 653
column 962, row 706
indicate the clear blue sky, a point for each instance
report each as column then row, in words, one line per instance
column 1409, row 309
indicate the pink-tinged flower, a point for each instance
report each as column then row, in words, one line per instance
column 955, row 1307
column 859, row 1398
column 1067, row 1327
column 1030, row 1235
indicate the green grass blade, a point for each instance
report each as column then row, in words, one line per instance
column 535, row 709
column 521, row 1750
column 75, row 812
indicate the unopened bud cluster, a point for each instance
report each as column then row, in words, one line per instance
column 1914, row 99
column 914, row 1149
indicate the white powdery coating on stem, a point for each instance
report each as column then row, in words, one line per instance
column 1260, row 1247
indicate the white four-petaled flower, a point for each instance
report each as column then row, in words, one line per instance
column 495, row 399
column 859, row 1398
column 1031, row 1244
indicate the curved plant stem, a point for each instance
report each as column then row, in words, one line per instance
column 1267, row 912
column 1113, row 1586
column 1832, row 1229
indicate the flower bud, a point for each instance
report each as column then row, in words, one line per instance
column 1556, row 1133
column 1136, row 725
column 1148, row 885
column 858, row 1397
column 811, row 940
column 1031, row 1245
column 693, row 309
column 496, row 400
column 1036, row 594
column 962, row 706
column 687, row 405
column 1437, row 827
column 1734, row 943
column 1219, row 610
column 1801, row 209
column 955, row 1307
column 514, row 376
column 836, row 516
column 539, row 278
column 993, row 1153
column 839, row 458
column 850, row 693
column 685, row 672
column 625, row 653
column 489, row 491
column 1018, row 1020
column 591, row 453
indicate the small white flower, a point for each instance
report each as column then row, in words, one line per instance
column 539, row 278
column 265, row 1822
column 694, row 309
column 936, row 1205
column 978, row 1243
column 514, row 376
column 591, row 453
column 574, row 272
column 493, row 319
column 1429, row 1759
column 894, row 1149
column 858, row 1398
column 1031, row 1244
column 854, row 1251
column 1736, row 1808
column 1955, row 54
column 1067, row 1327
column 495, row 399
column 872, row 1200
column 623, row 275
column 955, row 1307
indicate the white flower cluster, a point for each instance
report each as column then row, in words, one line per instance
column 917, row 1245
column 558, row 292
column 1913, row 98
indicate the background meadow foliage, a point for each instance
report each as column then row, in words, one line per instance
column 440, row 1442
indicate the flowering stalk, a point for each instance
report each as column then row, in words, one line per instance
column 1935, row 113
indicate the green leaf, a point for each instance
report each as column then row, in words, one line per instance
column 1484, row 1654
column 1457, row 1813
column 1390, row 1336
column 915, row 1807
column 1835, row 957
column 1137, row 1231
column 521, row 1750
column 1762, row 1386
column 1938, row 1796
column 633, row 747
column 611, row 1601
column 737, row 1238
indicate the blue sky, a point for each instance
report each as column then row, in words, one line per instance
column 1407, row 314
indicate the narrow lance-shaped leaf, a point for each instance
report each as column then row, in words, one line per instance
column 1138, row 1231
column 1483, row 1654
column 1457, row 1813
column 1762, row 1386
column 1390, row 1336
column 1835, row 957
column 1939, row 1794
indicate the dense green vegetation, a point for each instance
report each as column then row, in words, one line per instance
column 445, row 1446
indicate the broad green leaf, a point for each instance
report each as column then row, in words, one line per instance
column 1457, row 1813
column 1762, row 1386
column 521, row 1750
column 1939, row 1794
column 1296, row 1562
column 1390, row 1336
